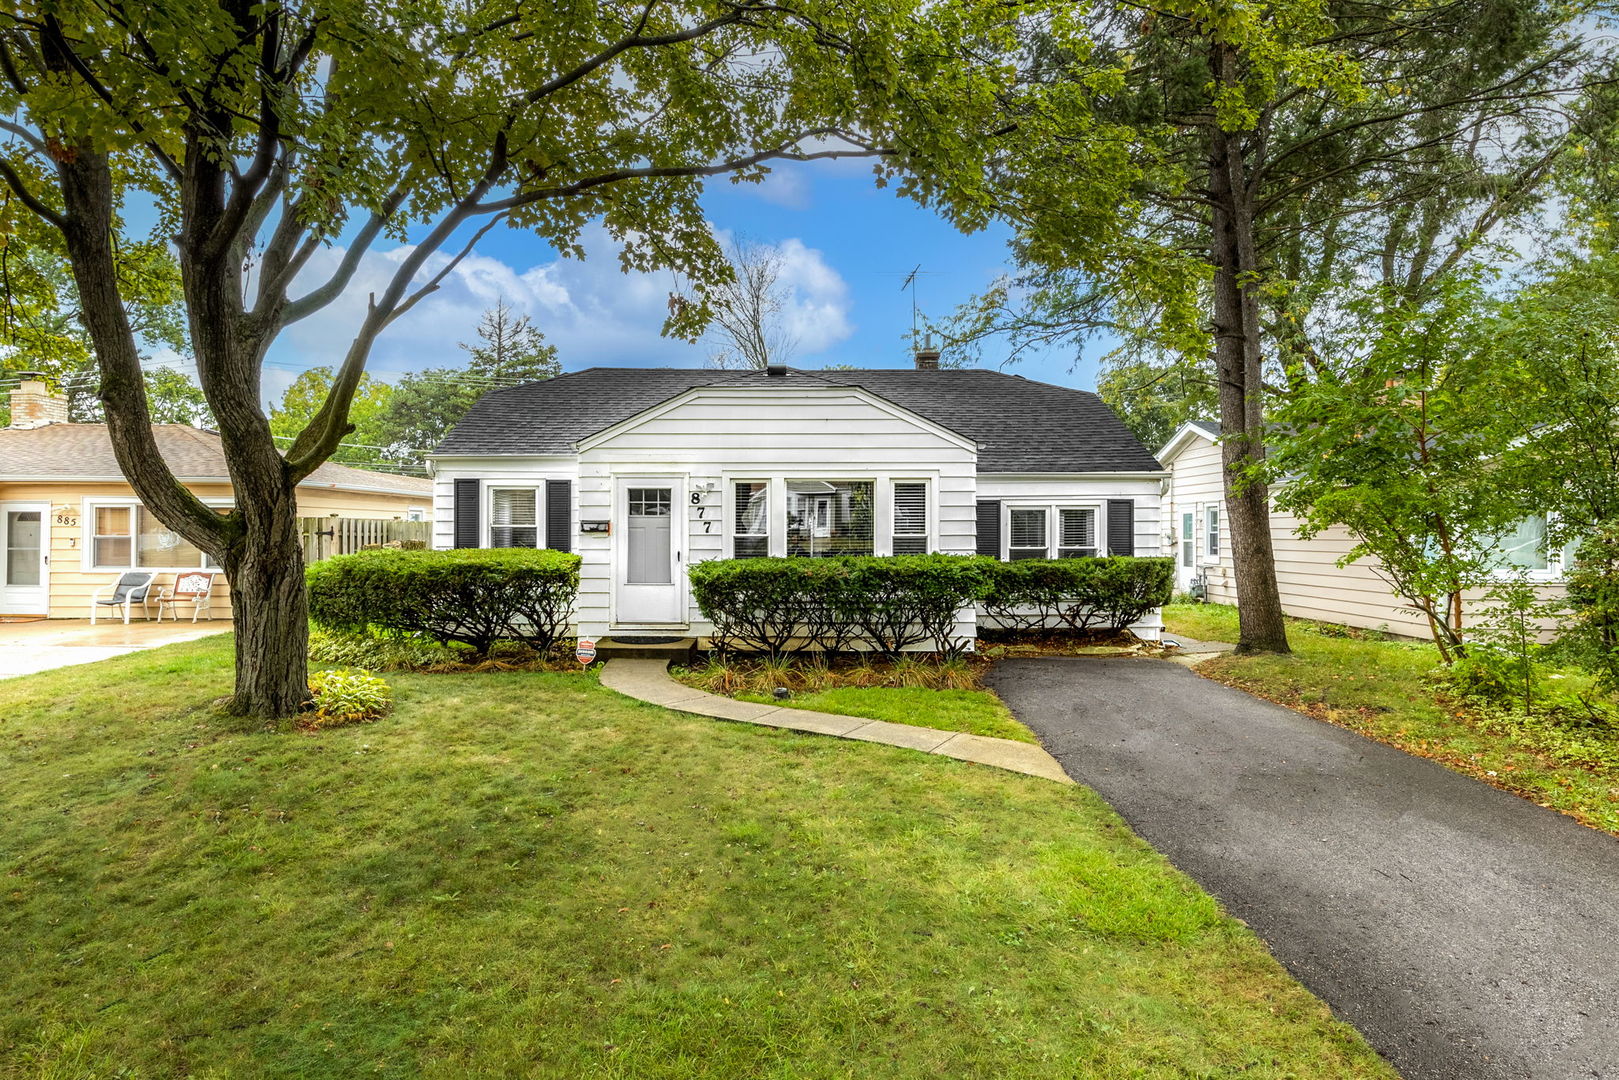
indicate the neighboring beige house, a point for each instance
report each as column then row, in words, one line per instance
column 70, row 522
column 1312, row 584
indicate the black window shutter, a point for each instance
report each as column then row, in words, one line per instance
column 989, row 527
column 466, row 513
column 559, row 514
column 1121, row 526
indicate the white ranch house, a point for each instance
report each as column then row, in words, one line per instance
column 643, row 471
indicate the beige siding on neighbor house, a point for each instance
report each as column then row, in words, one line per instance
column 73, row 581
column 1312, row 584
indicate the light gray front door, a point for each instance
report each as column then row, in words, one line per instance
column 24, row 558
column 651, row 588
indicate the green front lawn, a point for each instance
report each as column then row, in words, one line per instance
column 977, row 712
column 1380, row 688
column 527, row 875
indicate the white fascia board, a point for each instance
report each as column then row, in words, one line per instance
column 1178, row 440
column 882, row 404
column 1048, row 476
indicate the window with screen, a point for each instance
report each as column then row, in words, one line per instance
column 751, row 529
column 1077, row 534
column 514, row 518
column 910, row 518
column 1188, row 541
column 1026, row 534
column 1212, row 527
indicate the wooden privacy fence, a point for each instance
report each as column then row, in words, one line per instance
column 327, row 536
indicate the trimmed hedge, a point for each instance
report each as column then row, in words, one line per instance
column 470, row 595
column 880, row 602
column 1077, row 594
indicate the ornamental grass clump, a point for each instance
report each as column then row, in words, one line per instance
column 343, row 696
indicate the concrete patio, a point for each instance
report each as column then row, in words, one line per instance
column 45, row 644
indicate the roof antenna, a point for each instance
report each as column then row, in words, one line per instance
column 910, row 283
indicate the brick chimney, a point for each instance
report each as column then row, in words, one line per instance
column 927, row 358
column 34, row 405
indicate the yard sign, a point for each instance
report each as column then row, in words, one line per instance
column 586, row 651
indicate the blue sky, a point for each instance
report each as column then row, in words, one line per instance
column 846, row 244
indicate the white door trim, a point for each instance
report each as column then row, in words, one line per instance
column 26, row 599
column 632, row 603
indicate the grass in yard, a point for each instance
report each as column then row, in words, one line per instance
column 977, row 712
column 1380, row 689
column 523, row 874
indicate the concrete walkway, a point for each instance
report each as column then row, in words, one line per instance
column 649, row 681
column 45, row 644
column 1468, row 933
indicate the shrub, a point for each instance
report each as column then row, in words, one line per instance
column 343, row 697
column 471, row 595
column 884, row 603
column 377, row 652
column 1593, row 596
column 1077, row 594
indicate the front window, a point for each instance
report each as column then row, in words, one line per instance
column 829, row 517
column 514, row 518
column 1026, row 534
column 1524, row 548
column 131, row 537
column 910, row 518
column 1212, row 540
column 751, row 540
column 1077, row 539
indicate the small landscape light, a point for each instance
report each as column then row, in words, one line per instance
column 782, row 693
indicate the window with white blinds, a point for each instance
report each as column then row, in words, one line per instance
column 1026, row 534
column 514, row 518
column 910, row 518
column 751, row 529
column 1077, row 536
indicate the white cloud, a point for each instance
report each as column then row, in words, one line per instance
column 590, row 309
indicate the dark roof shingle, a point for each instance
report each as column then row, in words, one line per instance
column 1020, row 425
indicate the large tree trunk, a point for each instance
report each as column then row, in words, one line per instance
column 1237, row 358
column 269, row 607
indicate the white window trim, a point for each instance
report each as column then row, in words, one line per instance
column 1053, row 509
column 415, row 513
column 1211, row 553
column 882, row 540
column 487, row 526
column 87, row 534
column 1554, row 573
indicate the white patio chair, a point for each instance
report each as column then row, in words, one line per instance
column 194, row 587
column 132, row 587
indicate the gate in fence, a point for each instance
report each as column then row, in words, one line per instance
column 324, row 537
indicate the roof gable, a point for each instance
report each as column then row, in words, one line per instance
column 1188, row 434
column 697, row 393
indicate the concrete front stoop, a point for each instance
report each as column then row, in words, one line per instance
column 650, row 681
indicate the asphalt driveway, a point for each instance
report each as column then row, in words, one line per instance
column 1468, row 933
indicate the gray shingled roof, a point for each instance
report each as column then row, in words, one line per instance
column 84, row 452
column 1020, row 425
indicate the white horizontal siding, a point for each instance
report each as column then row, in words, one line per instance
column 717, row 436
column 1311, row 583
